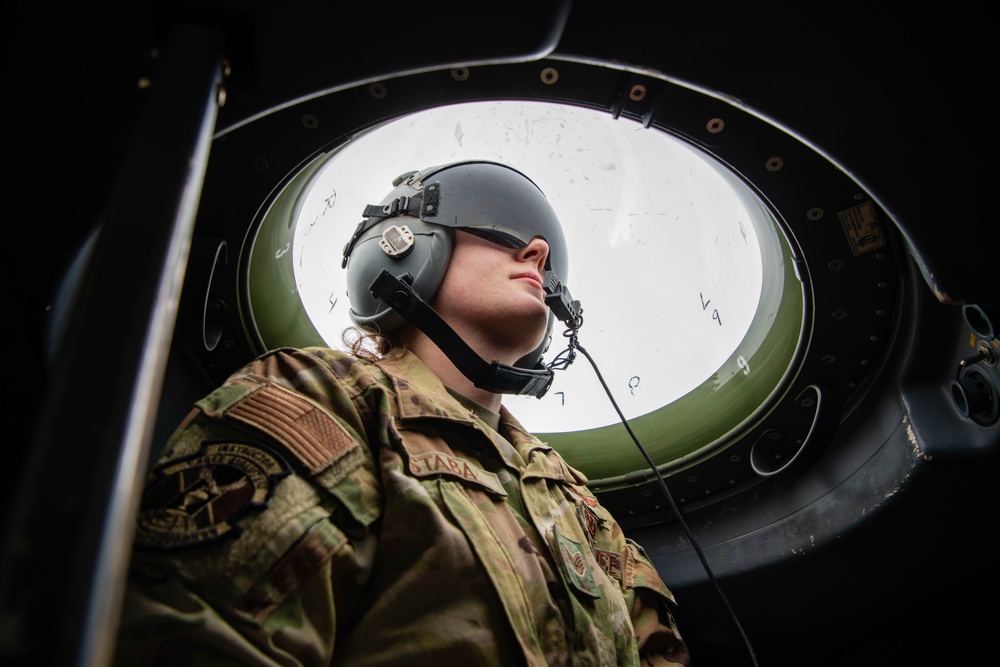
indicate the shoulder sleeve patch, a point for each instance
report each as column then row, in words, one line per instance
column 309, row 432
column 202, row 498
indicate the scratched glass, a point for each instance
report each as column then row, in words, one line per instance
column 664, row 258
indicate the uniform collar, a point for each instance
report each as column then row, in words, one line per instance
column 421, row 395
column 542, row 460
column 419, row 392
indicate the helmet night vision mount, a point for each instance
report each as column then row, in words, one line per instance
column 398, row 255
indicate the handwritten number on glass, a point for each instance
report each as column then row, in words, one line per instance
column 715, row 311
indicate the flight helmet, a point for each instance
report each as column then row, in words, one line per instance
column 411, row 232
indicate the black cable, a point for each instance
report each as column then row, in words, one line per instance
column 575, row 343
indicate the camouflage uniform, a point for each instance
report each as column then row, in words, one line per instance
column 317, row 509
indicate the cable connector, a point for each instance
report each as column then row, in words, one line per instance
column 559, row 301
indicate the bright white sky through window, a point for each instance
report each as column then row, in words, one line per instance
column 663, row 257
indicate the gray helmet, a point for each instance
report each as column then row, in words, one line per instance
column 411, row 231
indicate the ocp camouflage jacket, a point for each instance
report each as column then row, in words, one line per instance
column 318, row 509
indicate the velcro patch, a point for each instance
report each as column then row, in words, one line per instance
column 610, row 562
column 199, row 499
column 588, row 521
column 592, row 502
column 305, row 428
column 439, row 463
column 575, row 566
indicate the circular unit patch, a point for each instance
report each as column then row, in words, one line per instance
column 198, row 499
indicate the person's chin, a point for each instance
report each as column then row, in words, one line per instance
column 536, row 315
column 528, row 320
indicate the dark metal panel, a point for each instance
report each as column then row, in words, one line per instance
column 67, row 546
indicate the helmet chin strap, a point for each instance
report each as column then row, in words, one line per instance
column 494, row 377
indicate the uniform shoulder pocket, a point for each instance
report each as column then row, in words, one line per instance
column 641, row 573
column 330, row 451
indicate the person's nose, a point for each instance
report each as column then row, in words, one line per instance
column 536, row 253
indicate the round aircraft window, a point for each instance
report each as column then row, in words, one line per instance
column 712, row 253
column 691, row 308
